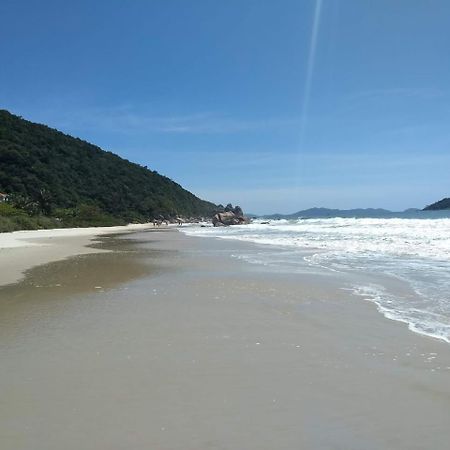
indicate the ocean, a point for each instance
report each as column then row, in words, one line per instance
column 368, row 253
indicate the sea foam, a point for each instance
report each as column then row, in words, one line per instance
column 416, row 251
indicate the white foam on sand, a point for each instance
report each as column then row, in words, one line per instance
column 420, row 321
column 22, row 250
column 415, row 251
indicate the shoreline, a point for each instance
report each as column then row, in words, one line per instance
column 390, row 280
column 22, row 250
column 201, row 350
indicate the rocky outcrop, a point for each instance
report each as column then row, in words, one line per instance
column 230, row 216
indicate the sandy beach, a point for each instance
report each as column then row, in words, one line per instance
column 22, row 250
column 156, row 340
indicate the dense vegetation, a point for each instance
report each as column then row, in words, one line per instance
column 441, row 204
column 53, row 179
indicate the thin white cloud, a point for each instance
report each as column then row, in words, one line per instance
column 126, row 120
column 418, row 92
column 363, row 105
column 327, row 160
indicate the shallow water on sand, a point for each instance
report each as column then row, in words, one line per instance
column 416, row 251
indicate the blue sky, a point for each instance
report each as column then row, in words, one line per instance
column 277, row 105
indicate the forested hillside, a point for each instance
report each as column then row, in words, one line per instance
column 46, row 172
column 441, row 204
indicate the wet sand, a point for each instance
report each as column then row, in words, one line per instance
column 166, row 342
column 22, row 250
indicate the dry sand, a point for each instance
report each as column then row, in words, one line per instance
column 168, row 343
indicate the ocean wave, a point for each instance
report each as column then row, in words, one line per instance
column 416, row 251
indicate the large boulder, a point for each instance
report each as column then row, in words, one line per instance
column 225, row 218
column 231, row 216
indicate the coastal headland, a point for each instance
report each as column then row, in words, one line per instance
column 152, row 339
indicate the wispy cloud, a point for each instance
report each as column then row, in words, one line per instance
column 388, row 110
column 271, row 170
column 126, row 120
column 400, row 92
column 394, row 97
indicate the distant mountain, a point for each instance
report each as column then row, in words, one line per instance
column 438, row 206
column 412, row 210
column 326, row 212
column 57, row 172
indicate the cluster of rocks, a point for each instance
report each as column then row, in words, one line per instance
column 223, row 217
column 178, row 220
column 229, row 216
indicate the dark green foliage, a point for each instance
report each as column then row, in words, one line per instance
column 47, row 171
column 24, row 203
column 13, row 219
column 441, row 204
column 7, row 210
column 87, row 215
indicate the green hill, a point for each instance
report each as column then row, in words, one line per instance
column 440, row 205
column 48, row 173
